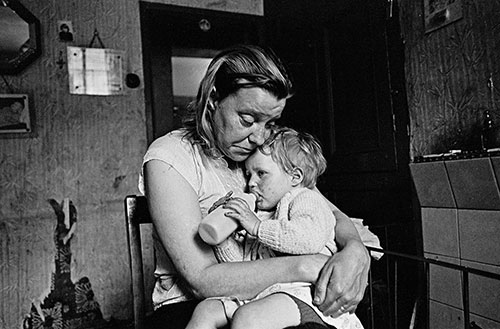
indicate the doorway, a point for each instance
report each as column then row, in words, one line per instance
column 177, row 44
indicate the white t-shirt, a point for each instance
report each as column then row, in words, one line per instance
column 210, row 179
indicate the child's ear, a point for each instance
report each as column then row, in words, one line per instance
column 297, row 176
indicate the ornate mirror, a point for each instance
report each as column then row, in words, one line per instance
column 19, row 37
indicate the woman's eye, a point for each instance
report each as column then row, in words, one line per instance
column 247, row 120
column 260, row 173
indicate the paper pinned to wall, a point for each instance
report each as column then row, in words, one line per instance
column 95, row 71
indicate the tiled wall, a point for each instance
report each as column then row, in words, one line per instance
column 460, row 212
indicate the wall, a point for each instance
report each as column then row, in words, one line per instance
column 85, row 148
column 447, row 72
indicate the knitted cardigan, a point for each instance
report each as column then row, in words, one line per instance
column 303, row 223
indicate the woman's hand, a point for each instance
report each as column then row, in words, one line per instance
column 343, row 280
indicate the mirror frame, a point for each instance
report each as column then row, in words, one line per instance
column 34, row 51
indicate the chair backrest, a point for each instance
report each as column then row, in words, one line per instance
column 136, row 213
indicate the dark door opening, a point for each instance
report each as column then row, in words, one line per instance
column 174, row 38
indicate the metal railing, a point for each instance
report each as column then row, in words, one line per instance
column 423, row 265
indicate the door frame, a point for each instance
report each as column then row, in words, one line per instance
column 158, row 25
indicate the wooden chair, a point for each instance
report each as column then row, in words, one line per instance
column 137, row 213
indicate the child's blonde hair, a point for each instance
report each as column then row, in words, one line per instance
column 291, row 149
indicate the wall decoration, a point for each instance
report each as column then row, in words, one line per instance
column 15, row 116
column 65, row 31
column 20, row 40
column 95, row 71
column 438, row 13
column 69, row 304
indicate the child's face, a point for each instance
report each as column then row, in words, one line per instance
column 266, row 180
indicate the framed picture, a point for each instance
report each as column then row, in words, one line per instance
column 438, row 13
column 15, row 115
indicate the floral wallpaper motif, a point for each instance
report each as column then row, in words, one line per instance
column 68, row 304
column 447, row 74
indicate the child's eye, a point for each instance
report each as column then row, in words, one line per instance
column 247, row 120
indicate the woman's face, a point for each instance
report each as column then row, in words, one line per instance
column 243, row 120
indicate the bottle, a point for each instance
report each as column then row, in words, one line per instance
column 487, row 130
column 216, row 227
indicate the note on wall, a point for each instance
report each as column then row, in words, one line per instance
column 95, row 71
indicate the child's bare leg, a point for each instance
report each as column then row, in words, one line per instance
column 271, row 312
column 208, row 314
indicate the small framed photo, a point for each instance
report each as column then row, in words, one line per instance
column 65, row 31
column 15, row 114
column 438, row 13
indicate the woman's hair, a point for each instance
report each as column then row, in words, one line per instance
column 291, row 149
column 241, row 66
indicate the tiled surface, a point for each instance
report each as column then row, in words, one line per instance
column 479, row 232
column 440, row 231
column 484, row 323
column 445, row 283
column 474, row 184
column 432, row 185
column 484, row 292
column 465, row 231
column 495, row 161
column 442, row 316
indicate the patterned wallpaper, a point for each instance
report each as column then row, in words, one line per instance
column 86, row 148
column 447, row 74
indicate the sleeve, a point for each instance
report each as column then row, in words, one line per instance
column 229, row 250
column 175, row 150
column 303, row 226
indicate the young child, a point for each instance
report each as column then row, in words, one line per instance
column 282, row 175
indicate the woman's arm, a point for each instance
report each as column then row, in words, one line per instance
column 176, row 214
column 344, row 277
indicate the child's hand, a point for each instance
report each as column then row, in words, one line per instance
column 243, row 214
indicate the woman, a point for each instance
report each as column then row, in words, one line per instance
column 240, row 98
